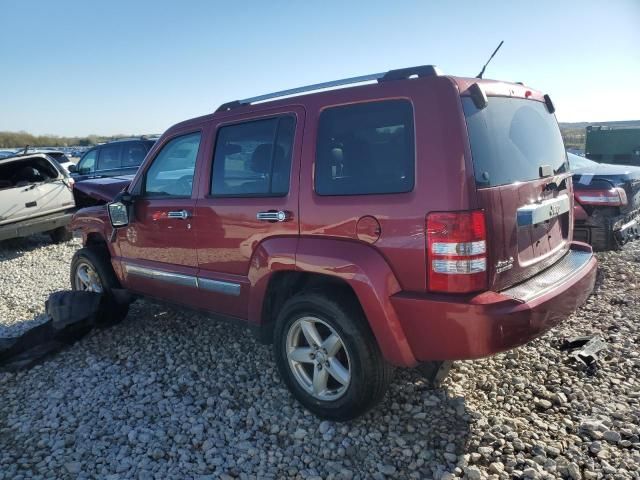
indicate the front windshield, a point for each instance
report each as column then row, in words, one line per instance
column 576, row 161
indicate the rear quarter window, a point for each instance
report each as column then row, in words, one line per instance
column 366, row 148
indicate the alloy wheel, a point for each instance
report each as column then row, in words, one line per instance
column 318, row 358
column 87, row 279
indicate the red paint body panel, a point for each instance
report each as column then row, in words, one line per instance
column 373, row 281
column 384, row 261
column 156, row 239
column 271, row 256
column 440, row 328
column 534, row 247
column 579, row 213
column 227, row 228
column 441, row 179
column 103, row 189
column 91, row 220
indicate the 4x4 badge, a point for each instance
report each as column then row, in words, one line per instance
column 504, row 265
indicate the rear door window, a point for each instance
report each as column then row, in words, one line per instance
column 365, row 149
column 511, row 139
column 253, row 158
column 109, row 157
column 133, row 154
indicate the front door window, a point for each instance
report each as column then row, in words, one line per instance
column 171, row 174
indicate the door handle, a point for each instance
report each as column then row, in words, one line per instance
column 274, row 216
column 181, row 214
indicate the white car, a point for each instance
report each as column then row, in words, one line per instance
column 58, row 156
column 35, row 196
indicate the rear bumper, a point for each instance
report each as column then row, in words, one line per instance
column 442, row 328
column 35, row 225
column 627, row 230
column 623, row 228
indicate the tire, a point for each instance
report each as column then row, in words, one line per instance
column 103, row 280
column 602, row 238
column 601, row 234
column 369, row 374
column 60, row 235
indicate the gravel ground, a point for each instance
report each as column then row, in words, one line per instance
column 30, row 269
column 170, row 394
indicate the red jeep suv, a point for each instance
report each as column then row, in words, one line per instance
column 409, row 221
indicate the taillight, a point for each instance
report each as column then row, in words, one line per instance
column 457, row 251
column 612, row 197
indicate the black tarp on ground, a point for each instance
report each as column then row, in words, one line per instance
column 71, row 315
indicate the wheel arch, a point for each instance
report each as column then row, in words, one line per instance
column 354, row 268
column 93, row 225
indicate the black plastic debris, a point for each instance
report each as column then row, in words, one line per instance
column 71, row 315
column 585, row 351
column 435, row 372
column 74, row 310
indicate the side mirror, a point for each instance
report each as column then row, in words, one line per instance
column 72, row 168
column 126, row 198
column 118, row 214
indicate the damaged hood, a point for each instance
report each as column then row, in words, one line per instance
column 105, row 188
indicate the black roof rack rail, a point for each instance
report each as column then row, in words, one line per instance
column 398, row 74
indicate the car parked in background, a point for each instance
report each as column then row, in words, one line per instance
column 119, row 157
column 35, row 196
column 607, row 202
column 105, row 170
column 7, row 153
column 410, row 222
column 58, row 156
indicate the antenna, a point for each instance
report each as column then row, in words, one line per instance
column 485, row 65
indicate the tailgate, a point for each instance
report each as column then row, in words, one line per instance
column 528, row 229
column 520, row 167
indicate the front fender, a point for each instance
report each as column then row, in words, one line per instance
column 373, row 282
column 92, row 220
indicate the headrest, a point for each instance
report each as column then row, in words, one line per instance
column 261, row 157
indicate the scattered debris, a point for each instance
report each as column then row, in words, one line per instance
column 587, row 355
column 435, row 372
column 70, row 316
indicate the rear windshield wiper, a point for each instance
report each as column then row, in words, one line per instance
column 556, row 185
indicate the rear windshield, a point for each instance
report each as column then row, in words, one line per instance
column 511, row 138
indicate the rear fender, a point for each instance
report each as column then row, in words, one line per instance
column 271, row 256
column 373, row 282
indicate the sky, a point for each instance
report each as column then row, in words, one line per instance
column 77, row 67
